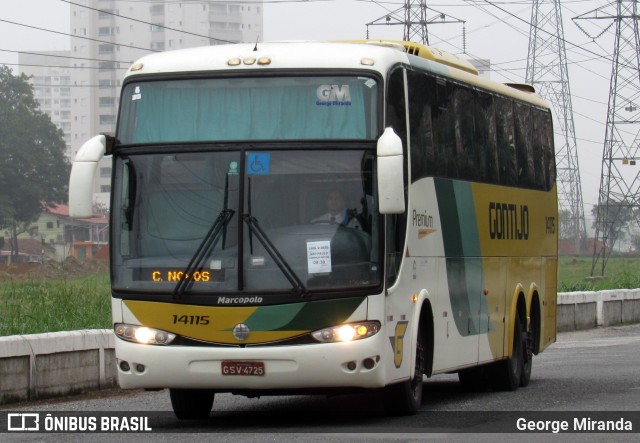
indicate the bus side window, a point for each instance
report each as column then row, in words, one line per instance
column 524, row 149
column 506, row 142
column 423, row 157
column 444, row 132
column 466, row 157
column 396, row 224
column 549, row 163
column 485, row 136
column 544, row 156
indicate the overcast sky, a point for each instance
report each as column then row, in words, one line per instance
column 494, row 30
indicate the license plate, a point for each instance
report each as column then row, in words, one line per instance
column 231, row 367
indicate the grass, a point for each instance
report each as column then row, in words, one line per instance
column 44, row 305
column 620, row 273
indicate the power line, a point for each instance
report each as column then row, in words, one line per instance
column 146, row 23
column 65, row 66
column 75, row 35
column 64, row 56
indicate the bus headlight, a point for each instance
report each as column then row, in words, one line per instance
column 143, row 335
column 347, row 332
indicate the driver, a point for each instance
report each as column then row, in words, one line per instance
column 337, row 213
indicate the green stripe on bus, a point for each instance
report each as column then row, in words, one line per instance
column 462, row 254
column 304, row 316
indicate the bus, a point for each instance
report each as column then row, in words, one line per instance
column 227, row 278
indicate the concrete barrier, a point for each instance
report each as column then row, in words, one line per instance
column 585, row 310
column 61, row 363
column 56, row 363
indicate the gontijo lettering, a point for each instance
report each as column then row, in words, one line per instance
column 508, row 221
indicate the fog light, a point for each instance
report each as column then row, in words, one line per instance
column 124, row 366
column 368, row 363
column 140, row 368
column 351, row 366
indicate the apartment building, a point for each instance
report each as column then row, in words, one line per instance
column 108, row 35
column 50, row 73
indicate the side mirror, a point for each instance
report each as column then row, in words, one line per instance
column 390, row 173
column 83, row 172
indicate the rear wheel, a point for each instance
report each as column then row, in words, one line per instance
column 405, row 398
column 527, row 344
column 507, row 374
column 191, row 404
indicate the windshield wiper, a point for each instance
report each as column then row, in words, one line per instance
column 207, row 245
column 293, row 278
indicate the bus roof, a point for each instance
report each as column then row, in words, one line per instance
column 374, row 55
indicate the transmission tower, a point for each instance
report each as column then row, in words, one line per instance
column 618, row 199
column 547, row 70
column 415, row 16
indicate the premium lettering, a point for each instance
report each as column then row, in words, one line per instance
column 422, row 220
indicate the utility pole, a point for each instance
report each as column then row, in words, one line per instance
column 415, row 16
column 619, row 196
column 547, row 71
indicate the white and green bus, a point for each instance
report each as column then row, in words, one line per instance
column 226, row 274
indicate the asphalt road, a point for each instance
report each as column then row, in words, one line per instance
column 589, row 374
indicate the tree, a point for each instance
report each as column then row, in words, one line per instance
column 618, row 216
column 566, row 224
column 34, row 170
column 635, row 242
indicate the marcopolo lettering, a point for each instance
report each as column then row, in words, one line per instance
column 508, row 221
column 238, row 300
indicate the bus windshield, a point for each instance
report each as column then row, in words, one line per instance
column 280, row 221
column 264, row 108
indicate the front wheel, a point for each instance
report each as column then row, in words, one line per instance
column 405, row 398
column 191, row 404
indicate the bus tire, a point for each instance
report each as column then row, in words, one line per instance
column 527, row 355
column 508, row 373
column 405, row 398
column 191, row 404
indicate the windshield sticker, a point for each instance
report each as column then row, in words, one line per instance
column 137, row 95
column 319, row 257
column 333, row 95
column 234, row 168
column 258, row 163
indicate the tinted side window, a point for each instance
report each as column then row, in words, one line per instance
column 544, row 127
column 524, row 146
column 396, row 224
column 422, row 90
column 442, row 113
column 506, row 142
column 485, row 139
column 465, row 153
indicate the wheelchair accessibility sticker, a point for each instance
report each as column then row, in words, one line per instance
column 258, row 163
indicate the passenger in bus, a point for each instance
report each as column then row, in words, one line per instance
column 337, row 213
